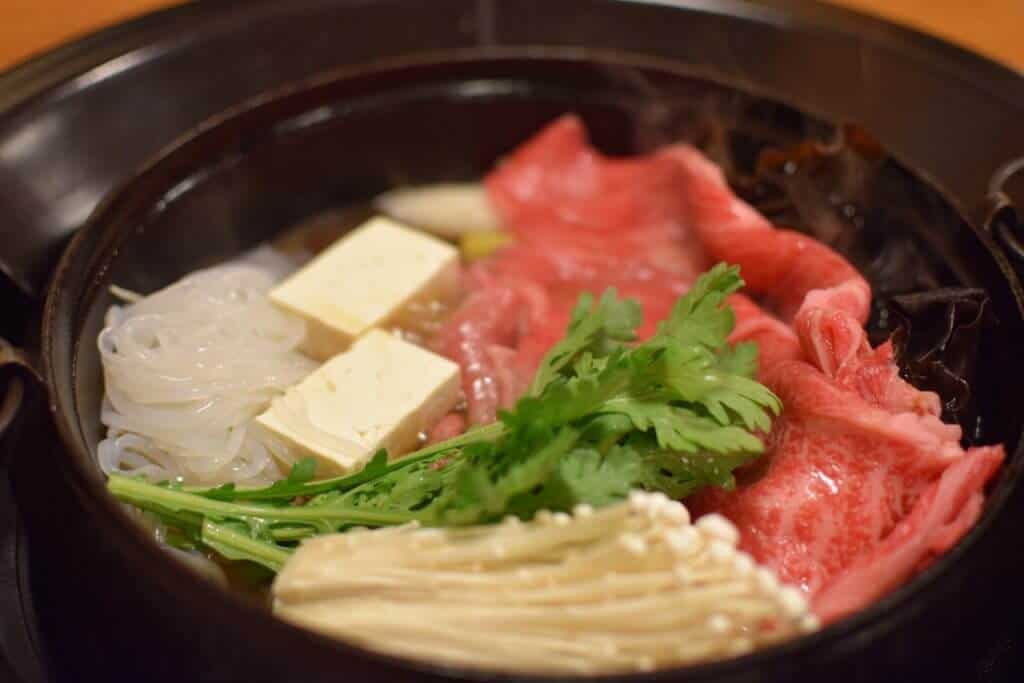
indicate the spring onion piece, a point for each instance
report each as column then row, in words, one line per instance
column 449, row 210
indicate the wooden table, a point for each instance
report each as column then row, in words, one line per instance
column 993, row 27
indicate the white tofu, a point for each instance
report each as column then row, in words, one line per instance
column 365, row 280
column 381, row 393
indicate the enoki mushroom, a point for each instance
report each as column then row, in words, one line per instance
column 633, row 586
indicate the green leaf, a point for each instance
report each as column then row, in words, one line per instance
column 700, row 317
column 567, row 399
column 486, row 484
column 680, row 429
column 583, row 475
column 740, row 359
column 414, row 489
column 692, row 377
column 678, row 475
column 300, row 473
column 598, row 330
column 304, row 470
column 604, row 431
column 743, row 398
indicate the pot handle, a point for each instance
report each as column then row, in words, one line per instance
column 20, row 658
column 1000, row 216
column 18, row 378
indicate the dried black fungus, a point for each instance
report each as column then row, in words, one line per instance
column 936, row 338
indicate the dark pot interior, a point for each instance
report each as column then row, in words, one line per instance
column 254, row 172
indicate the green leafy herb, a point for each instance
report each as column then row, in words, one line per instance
column 236, row 544
column 289, row 487
column 591, row 330
column 603, row 415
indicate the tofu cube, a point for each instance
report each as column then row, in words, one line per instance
column 365, row 280
column 381, row 393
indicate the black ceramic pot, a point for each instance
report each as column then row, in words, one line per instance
column 268, row 113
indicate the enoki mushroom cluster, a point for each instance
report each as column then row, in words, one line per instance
column 632, row 586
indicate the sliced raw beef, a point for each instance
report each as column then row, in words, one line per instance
column 861, row 484
column 943, row 514
column 839, row 474
column 583, row 223
column 799, row 275
column 776, row 341
column 558, row 194
column 492, row 316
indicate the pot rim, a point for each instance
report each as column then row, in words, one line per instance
column 37, row 74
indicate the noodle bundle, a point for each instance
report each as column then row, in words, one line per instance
column 188, row 368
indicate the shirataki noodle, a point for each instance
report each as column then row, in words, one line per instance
column 188, row 368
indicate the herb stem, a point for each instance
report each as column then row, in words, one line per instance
column 487, row 433
column 145, row 494
column 231, row 543
column 292, row 533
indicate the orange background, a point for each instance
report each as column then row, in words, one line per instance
column 988, row 26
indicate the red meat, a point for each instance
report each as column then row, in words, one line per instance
column 861, row 484
column 942, row 515
column 491, row 316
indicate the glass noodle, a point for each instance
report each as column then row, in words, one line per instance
column 187, row 369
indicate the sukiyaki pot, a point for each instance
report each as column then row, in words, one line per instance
column 588, row 413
